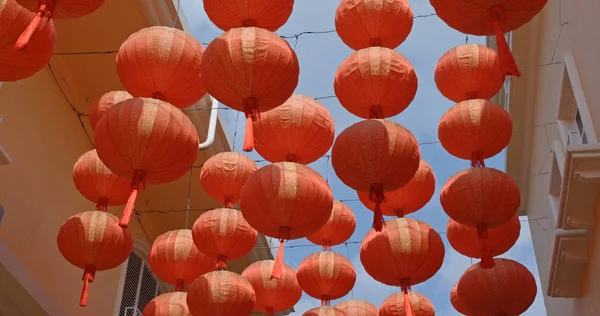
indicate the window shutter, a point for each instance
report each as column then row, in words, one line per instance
column 139, row 288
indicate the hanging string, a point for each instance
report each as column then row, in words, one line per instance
column 177, row 10
column 187, row 209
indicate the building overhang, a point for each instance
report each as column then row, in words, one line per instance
column 569, row 263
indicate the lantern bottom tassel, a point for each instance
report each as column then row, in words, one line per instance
column 278, row 265
column 252, row 114
column 137, row 184
column 221, row 262
column 228, row 203
column 507, row 60
column 376, row 195
column 102, row 204
column 408, row 309
column 325, row 300
column 477, row 160
column 44, row 14
column 88, row 277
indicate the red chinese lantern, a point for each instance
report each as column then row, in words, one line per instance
column 224, row 174
column 409, row 198
column 105, row 102
column 455, row 300
column 300, row 130
column 93, row 241
column 251, row 70
column 98, row 184
column 475, row 130
column 490, row 18
column 175, row 57
column 324, row 311
column 273, row 295
column 221, row 293
column 358, row 308
column 286, row 201
column 507, row 288
column 326, row 276
column 397, row 305
column 175, row 259
column 48, row 9
column 223, row 234
column 364, row 23
column 149, row 141
column 375, row 156
column 468, row 242
column 228, row 14
column 16, row 65
column 469, row 72
column 375, row 82
column 168, row 304
column 338, row 229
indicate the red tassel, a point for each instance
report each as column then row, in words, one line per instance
column 278, row 265
column 376, row 195
column 477, row 160
column 45, row 12
column 408, row 310
column 221, row 262
column 137, row 184
column 102, row 204
column 88, row 277
column 180, row 286
column 376, row 112
column 487, row 260
column 269, row 311
column 507, row 60
column 252, row 114
column 228, row 202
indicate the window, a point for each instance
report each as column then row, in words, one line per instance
column 139, row 287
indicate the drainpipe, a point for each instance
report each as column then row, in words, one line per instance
column 212, row 125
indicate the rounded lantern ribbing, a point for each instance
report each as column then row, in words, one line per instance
column 395, row 305
column 475, row 130
column 467, row 72
column 93, row 241
column 324, row 311
column 375, row 156
column 338, row 229
column 228, row 14
column 221, row 293
column 358, row 308
column 364, row 23
column 455, row 300
column 168, row 304
column 147, row 140
column 326, row 276
column 104, row 103
column 507, row 288
column 408, row 199
column 273, row 295
column 375, row 82
column 175, row 259
column 251, row 70
column 300, row 130
column 223, row 234
column 98, row 184
column 224, row 174
column 174, row 75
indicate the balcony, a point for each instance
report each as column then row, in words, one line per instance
column 569, row 262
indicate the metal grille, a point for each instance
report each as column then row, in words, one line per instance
column 140, row 287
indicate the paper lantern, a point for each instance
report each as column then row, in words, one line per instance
column 324, row 311
column 251, row 70
column 375, row 156
column 398, row 305
column 175, row 259
column 224, row 174
column 455, row 300
column 223, row 234
column 326, row 276
column 221, row 293
column 273, row 295
column 174, row 76
column 228, row 14
column 93, row 241
column 105, row 102
column 364, row 23
column 147, row 140
column 475, row 130
column 468, row 72
column 168, row 304
column 98, row 184
column 300, row 130
column 338, row 229
column 375, row 82
column 409, row 198
column 286, row 201
column 358, row 308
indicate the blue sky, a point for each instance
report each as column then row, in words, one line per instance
column 320, row 55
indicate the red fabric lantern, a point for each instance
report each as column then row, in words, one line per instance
column 147, row 140
column 358, row 308
column 105, row 102
column 485, row 18
column 98, row 184
column 16, row 65
column 364, row 23
column 224, row 174
column 375, row 156
column 469, row 72
column 252, row 70
column 300, row 130
column 273, row 295
column 409, row 198
column 507, row 288
column 223, row 234
column 175, row 57
column 475, row 130
column 396, row 305
column 286, row 201
column 338, row 229
column 228, row 14
column 468, row 242
column 326, row 276
column 175, row 259
column 324, row 311
column 375, row 82
column 168, row 304
column 221, row 293
column 93, row 241
column 455, row 300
